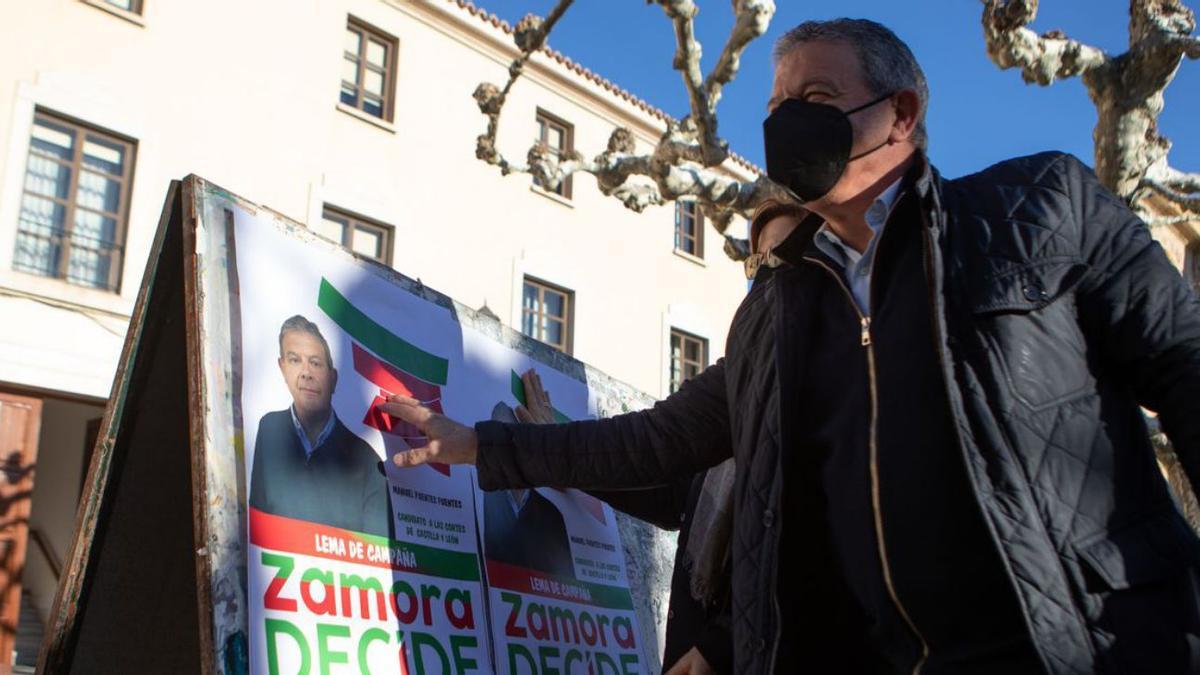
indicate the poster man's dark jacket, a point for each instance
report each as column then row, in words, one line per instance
column 341, row 484
column 1055, row 315
column 535, row 537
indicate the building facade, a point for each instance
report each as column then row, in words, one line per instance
column 352, row 116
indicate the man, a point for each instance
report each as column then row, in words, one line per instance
column 942, row 466
column 307, row 464
column 523, row 528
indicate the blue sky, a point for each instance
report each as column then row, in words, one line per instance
column 978, row 114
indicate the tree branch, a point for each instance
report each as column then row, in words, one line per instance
column 682, row 13
column 686, row 160
column 1179, row 187
column 1042, row 59
column 1180, row 180
column 530, row 35
column 752, row 19
column 1155, row 222
column 1184, row 200
column 1190, row 46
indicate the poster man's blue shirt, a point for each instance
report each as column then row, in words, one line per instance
column 321, row 437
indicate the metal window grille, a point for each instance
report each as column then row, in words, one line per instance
column 75, row 203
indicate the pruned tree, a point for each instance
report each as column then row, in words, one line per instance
column 686, row 160
column 1127, row 90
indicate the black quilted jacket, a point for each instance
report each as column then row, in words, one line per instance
column 1057, row 316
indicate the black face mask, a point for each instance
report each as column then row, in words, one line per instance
column 808, row 145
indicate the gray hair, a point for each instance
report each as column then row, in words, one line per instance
column 888, row 65
column 299, row 324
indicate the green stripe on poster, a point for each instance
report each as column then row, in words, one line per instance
column 386, row 344
column 435, row 562
column 518, row 391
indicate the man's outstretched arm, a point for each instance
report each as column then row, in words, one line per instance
column 682, row 434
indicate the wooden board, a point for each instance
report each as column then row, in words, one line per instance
column 127, row 600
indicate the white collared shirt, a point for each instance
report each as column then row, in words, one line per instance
column 856, row 267
column 517, row 502
column 321, row 437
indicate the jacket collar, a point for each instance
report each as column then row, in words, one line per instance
column 921, row 176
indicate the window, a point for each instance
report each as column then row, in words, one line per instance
column 75, row 203
column 368, row 69
column 559, row 137
column 363, row 236
column 547, row 313
column 689, row 228
column 689, row 356
column 133, row 6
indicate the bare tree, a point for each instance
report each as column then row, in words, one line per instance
column 1127, row 90
column 686, row 160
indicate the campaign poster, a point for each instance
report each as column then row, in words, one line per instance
column 357, row 566
column 354, row 566
column 558, row 590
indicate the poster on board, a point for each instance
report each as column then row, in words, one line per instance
column 357, row 564
column 353, row 563
column 558, row 592
column 244, row 439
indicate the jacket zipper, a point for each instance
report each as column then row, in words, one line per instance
column 865, row 339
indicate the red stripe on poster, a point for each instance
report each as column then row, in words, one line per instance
column 406, row 432
column 396, row 381
column 525, row 580
column 304, row 538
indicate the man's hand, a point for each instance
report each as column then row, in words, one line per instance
column 449, row 441
column 691, row 663
column 537, row 408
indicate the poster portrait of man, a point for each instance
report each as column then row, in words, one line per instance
column 523, row 528
column 307, row 464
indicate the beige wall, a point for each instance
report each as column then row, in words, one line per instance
column 245, row 95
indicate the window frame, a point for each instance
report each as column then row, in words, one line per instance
column 135, row 6
column 544, row 120
column 134, row 15
column 82, row 129
column 367, row 31
column 352, row 222
column 684, row 338
column 567, row 346
column 681, row 236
